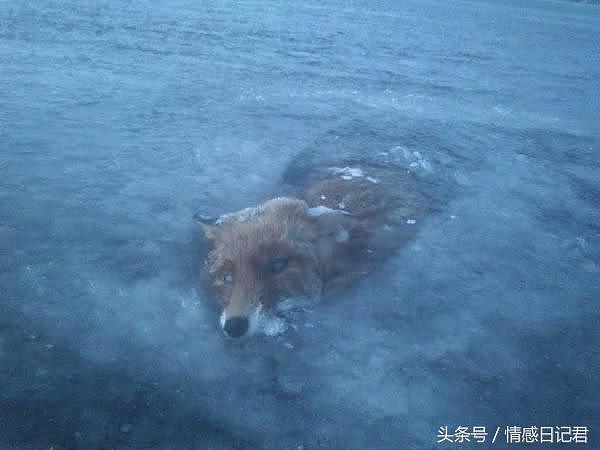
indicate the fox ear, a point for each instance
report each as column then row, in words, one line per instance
column 208, row 224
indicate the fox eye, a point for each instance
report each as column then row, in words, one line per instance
column 277, row 265
column 227, row 278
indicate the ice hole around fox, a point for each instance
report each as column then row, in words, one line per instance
column 336, row 226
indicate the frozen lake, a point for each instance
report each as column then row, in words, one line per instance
column 119, row 121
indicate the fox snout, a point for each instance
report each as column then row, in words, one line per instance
column 236, row 323
column 236, row 327
column 242, row 298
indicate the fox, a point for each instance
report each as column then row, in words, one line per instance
column 341, row 222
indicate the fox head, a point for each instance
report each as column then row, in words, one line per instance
column 278, row 250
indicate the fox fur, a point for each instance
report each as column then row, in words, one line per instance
column 342, row 221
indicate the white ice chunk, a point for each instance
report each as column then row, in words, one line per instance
column 347, row 173
column 271, row 325
column 320, row 210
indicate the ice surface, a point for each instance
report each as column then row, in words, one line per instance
column 120, row 121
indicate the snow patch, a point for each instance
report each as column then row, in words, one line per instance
column 347, row 173
column 271, row 325
column 320, row 210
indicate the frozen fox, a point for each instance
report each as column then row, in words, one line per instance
column 343, row 220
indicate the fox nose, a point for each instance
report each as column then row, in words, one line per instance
column 236, row 326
